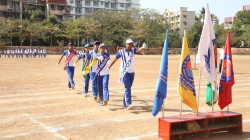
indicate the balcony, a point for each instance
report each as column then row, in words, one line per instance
column 65, row 12
column 56, row 1
column 10, row 8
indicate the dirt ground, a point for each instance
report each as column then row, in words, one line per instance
column 35, row 102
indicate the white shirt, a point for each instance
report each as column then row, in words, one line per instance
column 105, row 70
column 221, row 52
column 125, row 58
column 5, row 51
column 12, row 51
column 93, row 54
column 44, row 50
column 71, row 62
column 21, row 50
column 30, row 50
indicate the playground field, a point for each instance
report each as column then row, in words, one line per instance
column 35, row 102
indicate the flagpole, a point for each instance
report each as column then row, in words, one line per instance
column 199, row 91
column 163, row 109
column 181, row 108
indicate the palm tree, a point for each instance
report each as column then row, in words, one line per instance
column 202, row 14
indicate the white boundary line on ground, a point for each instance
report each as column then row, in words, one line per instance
column 138, row 137
column 47, row 128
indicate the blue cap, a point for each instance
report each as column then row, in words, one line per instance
column 71, row 44
column 102, row 45
column 86, row 45
column 96, row 42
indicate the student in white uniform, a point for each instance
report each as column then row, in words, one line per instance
column 127, row 69
column 44, row 52
column 21, row 52
column 86, row 77
column 69, row 64
column 102, row 75
column 221, row 55
column 12, row 52
column 92, row 71
column 5, row 52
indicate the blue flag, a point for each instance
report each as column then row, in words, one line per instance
column 161, row 89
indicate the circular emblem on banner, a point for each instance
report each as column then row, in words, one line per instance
column 187, row 69
column 226, row 69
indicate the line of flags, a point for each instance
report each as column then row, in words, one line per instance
column 207, row 57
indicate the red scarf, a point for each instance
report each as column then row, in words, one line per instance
column 71, row 55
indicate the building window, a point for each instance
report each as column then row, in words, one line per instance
column 3, row 2
column 128, row 5
column 122, row 5
column 52, row 7
column 78, row 10
column 128, row 0
column 95, row 3
column 113, row 5
column 87, row 10
column 185, row 23
column 185, row 16
column 59, row 7
column 78, row 3
column 101, row 3
column 87, row 3
column 106, row 5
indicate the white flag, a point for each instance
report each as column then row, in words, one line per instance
column 207, row 50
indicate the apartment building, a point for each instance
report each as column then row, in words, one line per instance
column 179, row 19
column 63, row 9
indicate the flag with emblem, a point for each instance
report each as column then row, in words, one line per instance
column 206, row 52
column 161, row 88
column 210, row 91
column 186, row 86
column 227, row 77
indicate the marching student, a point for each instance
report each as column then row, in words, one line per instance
column 33, row 52
column 0, row 52
column 102, row 74
column 92, row 71
column 12, row 52
column 44, row 52
column 5, row 52
column 69, row 64
column 38, row 52
column 86, row 77
column 25, row 52
column 21, row 52
column 8, row 52
column 18, row 52
column 127, row 69
column 41, row 52
column 30, row 53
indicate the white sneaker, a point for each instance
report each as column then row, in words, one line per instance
column 85, row 94
column 130, row 107
column 69, row 89
column 101, row 103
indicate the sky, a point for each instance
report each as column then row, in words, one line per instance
column 220, row 8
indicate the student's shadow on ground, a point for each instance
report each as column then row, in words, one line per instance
column 142, row 107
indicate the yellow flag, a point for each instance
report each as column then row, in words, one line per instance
column 186, row 86
column 90, row 66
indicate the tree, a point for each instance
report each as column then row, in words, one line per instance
column 193, row 35
column 10, row 25
column 51, row 30
column 246, row 35
column 174, row 40
column 242, row 19
column 34, row 31
column 202, row 14
column 24, row 32
column 69, row 29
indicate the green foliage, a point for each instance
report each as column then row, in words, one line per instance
column 242, row 18
column 193, row 35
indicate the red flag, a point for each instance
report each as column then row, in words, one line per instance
column 227, row 77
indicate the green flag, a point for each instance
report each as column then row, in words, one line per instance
column 209, row 86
